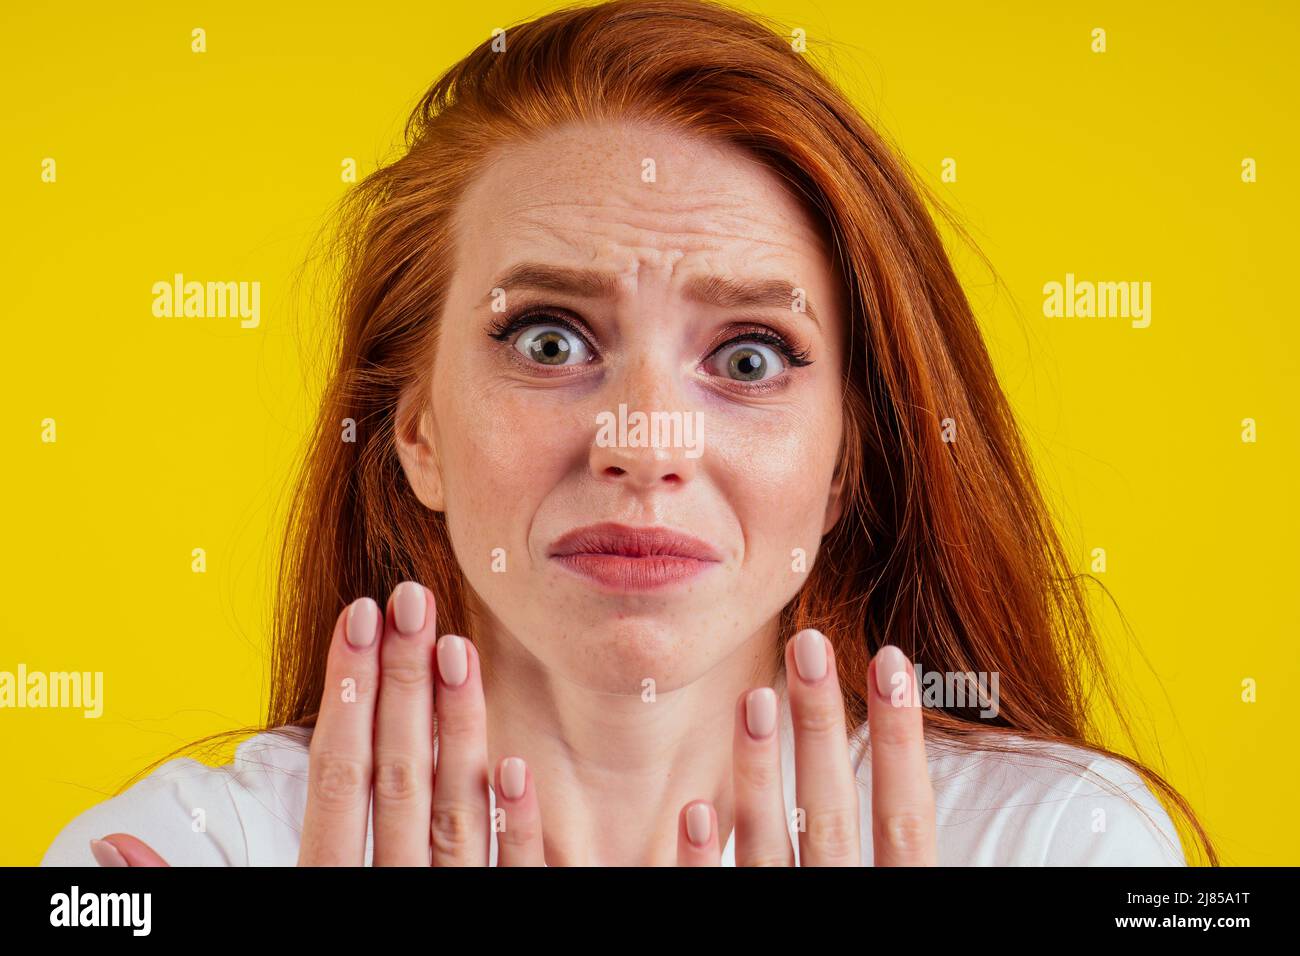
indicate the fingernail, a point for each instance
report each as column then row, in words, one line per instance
column 363, row 622
column 512, row 778
column 760, row 712
column 698, row 823
column 453, row 660
column 810, row 655
column 408, row 607
column 890, row 661
column 106, row 854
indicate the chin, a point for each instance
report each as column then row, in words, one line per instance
column 619, row 656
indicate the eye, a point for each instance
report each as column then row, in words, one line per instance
column 747, row 361
column 554, row 343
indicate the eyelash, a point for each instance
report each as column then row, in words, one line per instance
column 504, row 328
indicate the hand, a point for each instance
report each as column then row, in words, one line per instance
column 902, row 798
column 374, row 736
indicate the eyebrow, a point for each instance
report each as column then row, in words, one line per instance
column 716, row 290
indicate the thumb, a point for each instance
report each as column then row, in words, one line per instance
column 122, row 849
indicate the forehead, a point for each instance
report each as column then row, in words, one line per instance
column 631, row 197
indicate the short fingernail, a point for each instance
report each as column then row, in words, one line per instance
column 810, row 655
column 512, row 778
column 698, row 823
column 760, row 712
column 106, row 854
column 363, row 622
column 453, row 660
column 890, row 662
column 408, row 607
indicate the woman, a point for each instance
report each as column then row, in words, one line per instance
column 666, row 434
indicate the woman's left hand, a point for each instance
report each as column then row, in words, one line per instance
column 826, row 792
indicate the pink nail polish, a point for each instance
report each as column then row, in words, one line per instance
column 453, row 660
column 810, row 655
column 698, row 823
column 106, row 854
column 408, row 607
column 760, row 713
column 363, row 622
column 890, row 662
column 513, row 778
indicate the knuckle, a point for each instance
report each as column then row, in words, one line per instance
column 768, row 859
column 404, row 675
column 760, row 774
column 833, row 833
column 397, row 779
column 451, row 831
column 337, row 781
column 460, row 723
column 896, row 734
column 817, row 720
column 904, row 833
column 520, row 834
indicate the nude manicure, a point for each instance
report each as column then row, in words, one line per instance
column 810, row 655
column 513, row 778
column 408, row 607
column 890, row 662
column 106, row 854
column 760, row 713
column 698, row 823
column 363, row 622
column 453, row 660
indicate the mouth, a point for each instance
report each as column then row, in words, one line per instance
column 624, row 558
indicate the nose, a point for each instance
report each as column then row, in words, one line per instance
column 649, row 439
column 643, row 468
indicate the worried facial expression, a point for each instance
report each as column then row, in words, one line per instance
column 643, row 329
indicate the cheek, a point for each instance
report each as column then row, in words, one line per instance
column 501, row 456
column 777, row 470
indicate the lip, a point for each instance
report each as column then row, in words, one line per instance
column 626, row 558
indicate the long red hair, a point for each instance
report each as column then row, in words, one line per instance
column 945, row 548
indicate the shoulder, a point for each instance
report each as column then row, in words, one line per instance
column 1049, row 805
column 1043, row 804
column 246, row 812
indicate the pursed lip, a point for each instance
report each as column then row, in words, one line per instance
column 632, row 542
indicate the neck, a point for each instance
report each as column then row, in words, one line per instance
column 613, row 771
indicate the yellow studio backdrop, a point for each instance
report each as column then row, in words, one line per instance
column 1161, row 151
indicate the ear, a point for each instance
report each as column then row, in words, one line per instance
column 835, row 501
column 417, row 449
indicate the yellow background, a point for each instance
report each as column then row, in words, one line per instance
column 177, row 434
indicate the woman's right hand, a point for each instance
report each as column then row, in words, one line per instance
column 374, row 735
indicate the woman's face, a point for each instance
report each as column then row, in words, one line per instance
column 523, row 444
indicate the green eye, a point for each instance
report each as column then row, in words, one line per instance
column 749, row 362
column 552, row 345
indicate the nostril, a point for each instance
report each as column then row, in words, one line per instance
column 614, row 471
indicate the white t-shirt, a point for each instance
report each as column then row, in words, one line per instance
column 992, row 809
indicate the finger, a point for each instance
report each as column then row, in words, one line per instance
column 403, row 776
column 339, row 758
column 762, row 837
column 697, row 835
column 122, row 849
column 460, row 800
column 825, row 785
column 902, row 797
column 519, row 833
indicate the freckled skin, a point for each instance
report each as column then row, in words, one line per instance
column 517, row 464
